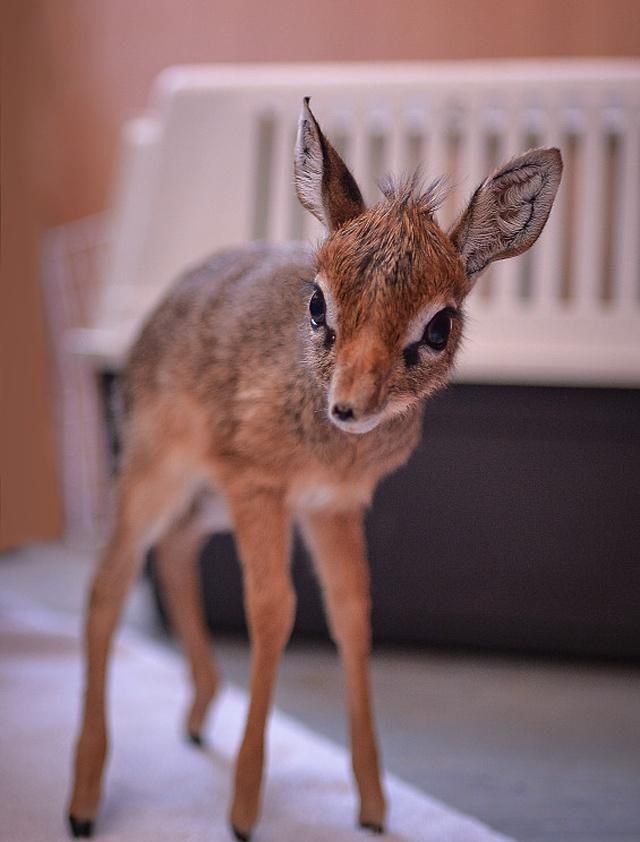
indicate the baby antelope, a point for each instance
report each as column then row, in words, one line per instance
column 275, row 386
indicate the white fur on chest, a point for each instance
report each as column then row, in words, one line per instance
column 213, row 514
column 328, row 496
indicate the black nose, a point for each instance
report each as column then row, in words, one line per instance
column 343, row 411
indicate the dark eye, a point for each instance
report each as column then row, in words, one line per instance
column 317, row 308
column 436, row 333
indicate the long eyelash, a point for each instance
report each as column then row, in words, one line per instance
column 309, row 287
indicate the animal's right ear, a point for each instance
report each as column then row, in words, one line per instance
column 323, row 182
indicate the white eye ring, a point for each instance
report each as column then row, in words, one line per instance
column 417, row 326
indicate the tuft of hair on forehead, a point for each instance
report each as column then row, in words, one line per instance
column 394, row 247
column 410, row 190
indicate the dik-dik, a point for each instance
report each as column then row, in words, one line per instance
column 276, row 386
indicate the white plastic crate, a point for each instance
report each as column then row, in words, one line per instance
column 210, row 165
column 71, row 268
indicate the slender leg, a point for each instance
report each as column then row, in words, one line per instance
column 144, row 498
column 176, row 559
column 262, row 532
column 337, row 543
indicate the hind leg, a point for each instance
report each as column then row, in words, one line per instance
column 147, row 495
column 176, row 559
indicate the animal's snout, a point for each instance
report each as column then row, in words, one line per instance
column 343, row 412
column 359, row 386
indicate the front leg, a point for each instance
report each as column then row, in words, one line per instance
column 337, row 543
column 262, row 531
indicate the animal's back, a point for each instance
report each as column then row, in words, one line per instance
column 221, row 350
column 241, row 297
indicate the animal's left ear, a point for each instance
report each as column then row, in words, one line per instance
column 508, row 211
column 323, row 182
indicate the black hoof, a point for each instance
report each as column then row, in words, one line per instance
column 80, row 828
column 372, row 827
column 240, row 835
column 195, row 739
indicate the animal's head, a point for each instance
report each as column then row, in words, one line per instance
column 386, row 315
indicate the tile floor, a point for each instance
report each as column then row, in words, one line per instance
column 544, row 751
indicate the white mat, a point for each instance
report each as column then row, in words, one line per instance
column 159, row 789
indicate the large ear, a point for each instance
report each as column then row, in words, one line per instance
column 508, row 211
column 323, row 183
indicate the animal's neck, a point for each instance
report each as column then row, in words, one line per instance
column 375, row 453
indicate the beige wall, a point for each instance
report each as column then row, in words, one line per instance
column 104, row 55
column 29, row 502
column 76, row 68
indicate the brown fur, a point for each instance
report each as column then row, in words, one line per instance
column 230, row 393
